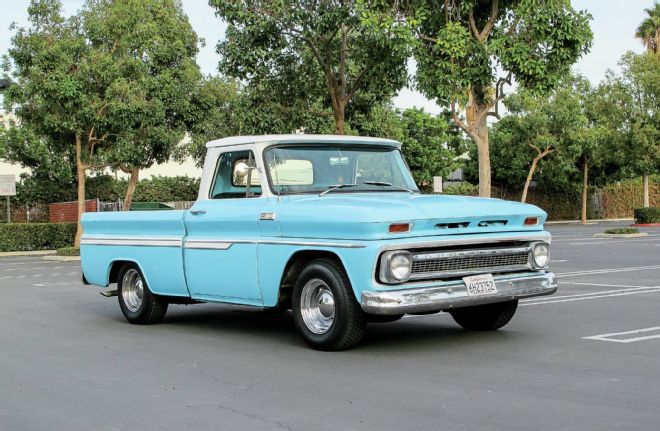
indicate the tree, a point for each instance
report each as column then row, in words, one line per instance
column 649, row 30
column 468, row 50
column 153, row 48
column 308, row 55
column 538, row 126
column 109, row 83
column 630, row 109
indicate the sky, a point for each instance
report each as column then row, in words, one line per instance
column 614, row 24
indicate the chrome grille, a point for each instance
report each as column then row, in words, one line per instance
column 465, row 262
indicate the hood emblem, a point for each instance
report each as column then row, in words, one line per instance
column 268, row 216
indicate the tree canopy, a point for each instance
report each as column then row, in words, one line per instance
column 311, row 56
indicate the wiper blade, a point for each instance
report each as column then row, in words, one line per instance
column 337, row 187
column 385, row 184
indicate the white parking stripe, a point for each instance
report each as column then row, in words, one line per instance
column 579, row 295
column 610, row 337
column 584, row 298
column 607, row 270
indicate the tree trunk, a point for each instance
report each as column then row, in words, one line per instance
column 480, row 137
column 585, row 190
column 530, row 175
column 339, row 114
column 646, row 190
column 130, row 190
column 81, row 168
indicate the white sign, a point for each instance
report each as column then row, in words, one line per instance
column 7, row 185
column 437, row 184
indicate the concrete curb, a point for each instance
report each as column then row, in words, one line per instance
column 620, row 235
column 28, row 253
column 609, row 220
column 62, row 258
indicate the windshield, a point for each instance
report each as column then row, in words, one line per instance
column 344, row 169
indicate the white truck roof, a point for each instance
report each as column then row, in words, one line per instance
column 300, row 139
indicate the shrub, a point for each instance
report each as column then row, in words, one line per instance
column 465, row 189
column 36, row 236
column 68, row 251
column 647, row 215
column 622, row 231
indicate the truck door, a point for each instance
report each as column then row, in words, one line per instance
column 220, row 252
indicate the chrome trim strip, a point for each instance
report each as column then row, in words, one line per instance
column 466, row 272
column 313, row 244
column 204, row 244
column 454, row 295
column 139, row 241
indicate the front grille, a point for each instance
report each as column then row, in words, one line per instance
column 458, row 263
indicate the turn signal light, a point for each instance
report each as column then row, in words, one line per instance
column 400, row 227
column 531, row 221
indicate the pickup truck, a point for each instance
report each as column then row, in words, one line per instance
column 332, row 228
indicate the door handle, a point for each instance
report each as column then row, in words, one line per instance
column 197, row 212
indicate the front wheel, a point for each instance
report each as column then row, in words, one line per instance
column 325, row 311
column 136, row 301
column 487, row 317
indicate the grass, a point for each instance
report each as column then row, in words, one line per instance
column 622, row 231
column 68, row 251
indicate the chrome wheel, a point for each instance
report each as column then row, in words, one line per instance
column 317, row 306
column 132, row 290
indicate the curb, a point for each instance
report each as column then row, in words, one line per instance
column 62, row 258
column 646, row 225
column 607, row 220
column 620, row 235
column 28, row 253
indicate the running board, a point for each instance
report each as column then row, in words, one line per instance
column 109, row 293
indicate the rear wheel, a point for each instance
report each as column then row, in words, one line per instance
column 136, row 301
column 325, row 311
column 487, row 317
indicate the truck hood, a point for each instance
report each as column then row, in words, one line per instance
column 368, row 215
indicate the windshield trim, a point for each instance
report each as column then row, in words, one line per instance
column 344, row 145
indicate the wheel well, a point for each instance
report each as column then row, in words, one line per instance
column 114, row 270
column 293, row 268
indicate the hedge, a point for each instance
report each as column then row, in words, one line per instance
column 647, row 215
column 36, row 236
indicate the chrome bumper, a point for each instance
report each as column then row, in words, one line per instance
column 454, row 295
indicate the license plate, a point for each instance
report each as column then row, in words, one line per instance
column 482, row 284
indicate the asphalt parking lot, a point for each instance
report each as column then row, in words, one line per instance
column 582, row 359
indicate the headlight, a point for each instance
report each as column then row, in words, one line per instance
column 395, row 266
column 541, row 255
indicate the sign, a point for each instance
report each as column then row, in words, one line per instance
column 7, row 185
column 437, row 184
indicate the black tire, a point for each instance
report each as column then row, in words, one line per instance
column 487, row 317
column 151, row 309
column 383, row 318
column 349, row 321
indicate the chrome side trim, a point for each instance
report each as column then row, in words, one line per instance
column 202, row 244
column 313, row 244
column 139, row 241
column 454, row 295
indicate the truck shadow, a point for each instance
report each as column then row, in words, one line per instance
column 268, row 326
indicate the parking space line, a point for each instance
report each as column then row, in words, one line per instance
column 607, row 270
column 595, row 295
column 611, row 337
column 603, row 285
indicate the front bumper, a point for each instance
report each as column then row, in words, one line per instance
column 454, row 295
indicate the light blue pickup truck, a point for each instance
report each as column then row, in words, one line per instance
column 331, row 227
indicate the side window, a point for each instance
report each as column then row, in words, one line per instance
column 232, row 174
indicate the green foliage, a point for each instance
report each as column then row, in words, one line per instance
column 536, row 41
column 37, row 236
column 155, row 189
column 463, row 189
column 647, row 215
column 68, row 251
column 622, row 231
column 305, row 57
column 428, row 147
